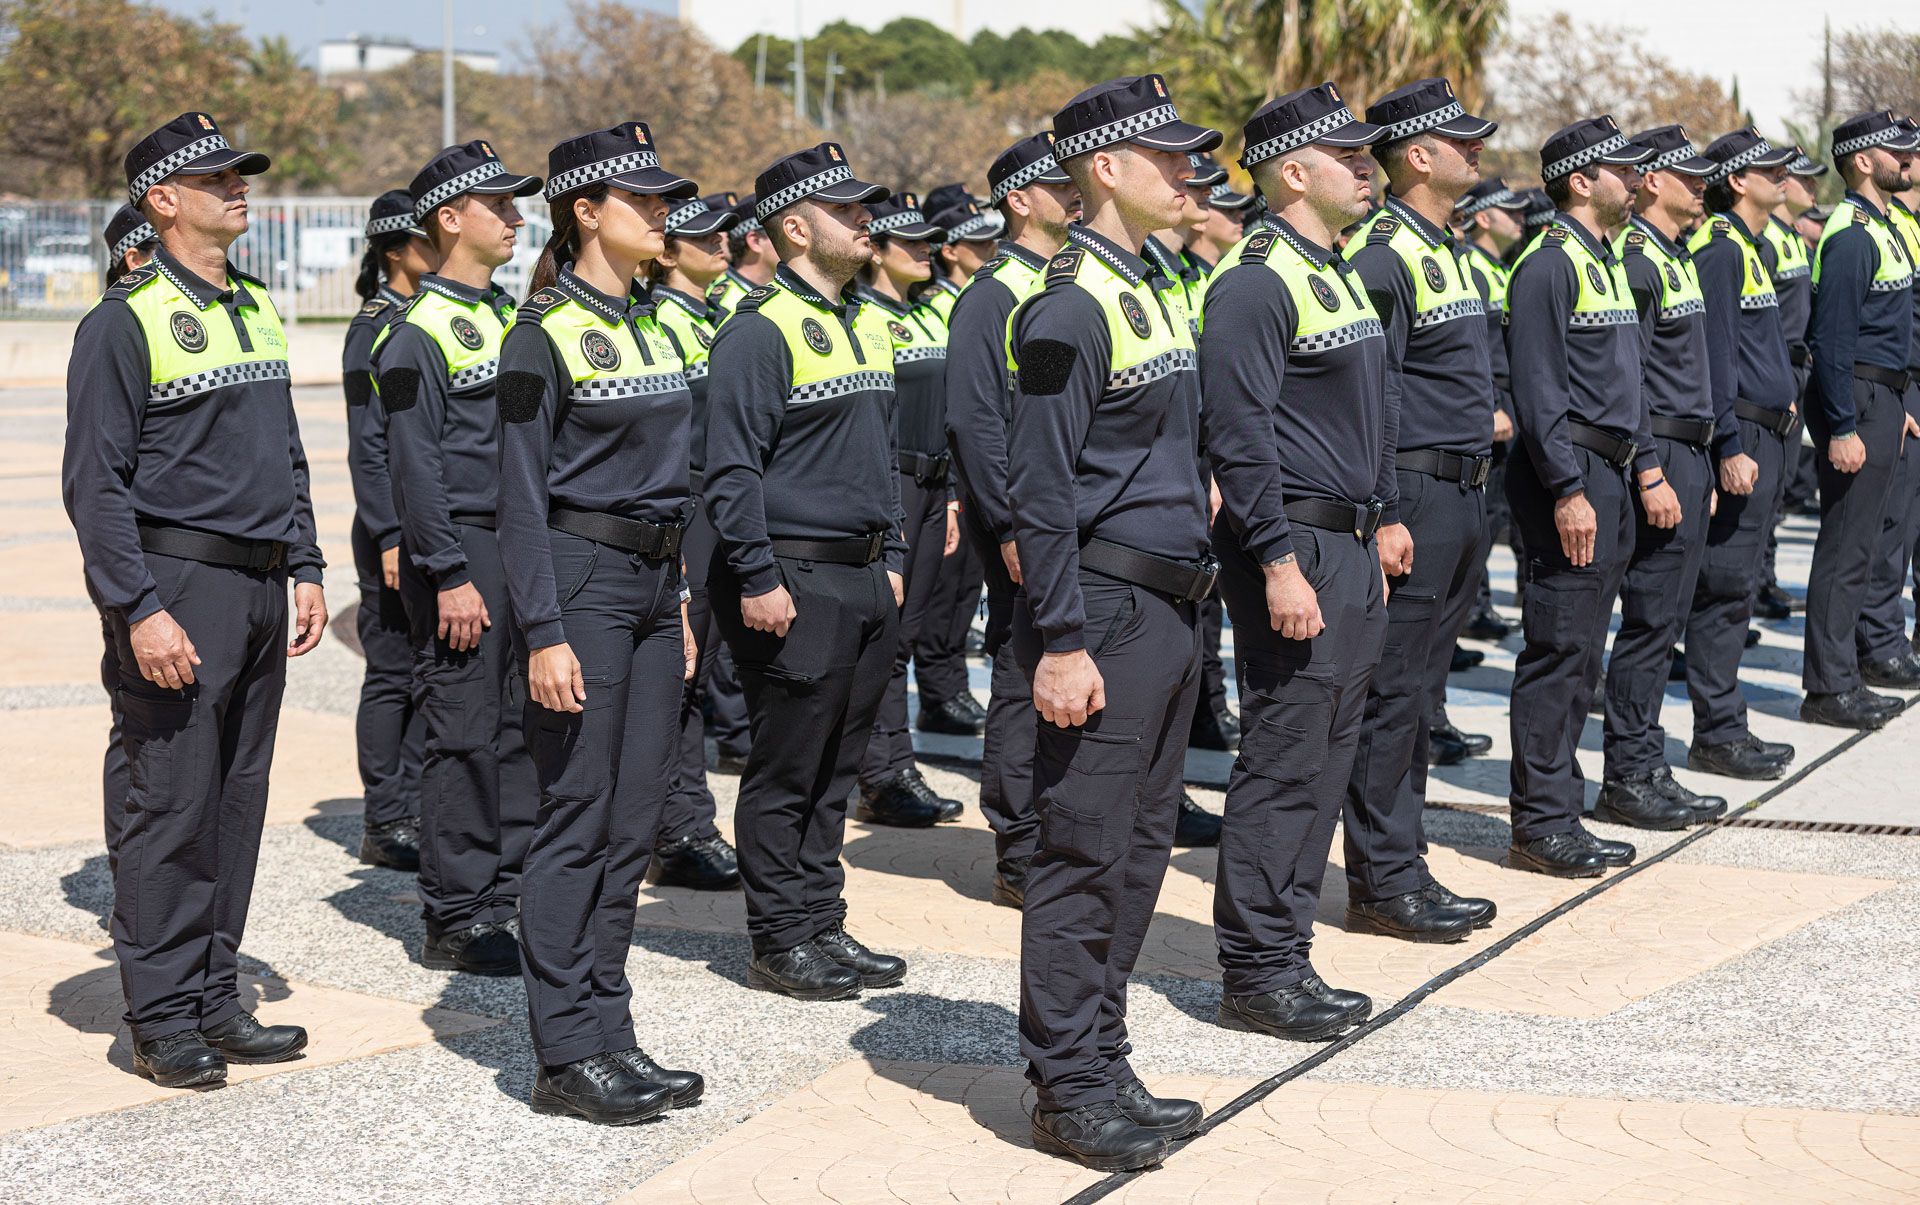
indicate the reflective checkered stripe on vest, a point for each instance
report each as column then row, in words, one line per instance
column 1680, row 293
column 694, row 333
column 1895, row 271
column 1756, row 287
column 607, row 360
column 1136, row 358
column 1603, row 299
column 1442, row 290
column 1332, row 310
column 845, row 366
column 919, row 334
column 1790, row 260
column 191, row 351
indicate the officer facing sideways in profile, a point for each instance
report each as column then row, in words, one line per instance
column 436, row 368
column 1861, row 340
column 1789, row 259
column 188, row 488
column 595, row 415
column 389, row 732
column 1109, row 516
column 1573, row 348
column 805, row 581
column 751, row 261
column 1301, row 432
column 1439, row 383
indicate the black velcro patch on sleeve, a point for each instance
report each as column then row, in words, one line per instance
column 1045, row 366
column 359, row 389
column 520, row 394
column 399, row 389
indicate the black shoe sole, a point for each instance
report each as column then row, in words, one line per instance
column 1766, row 775
column 1607, row 815
column 867, row 815
column 956, row 818
column 206, row 1077
column 1360, row 922
column 1519, row 861
column 1226, row 1019
column 492, row 970
column 259, row 1059
column 1872, row 723
column 1047, row 1144
column 760, row 981
column 554, row 1106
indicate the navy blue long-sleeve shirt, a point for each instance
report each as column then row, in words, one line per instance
column 979, row 395
column 1747, row 343
column 1484, row 265
column 1673, row 337
column 367, row 421
column 1855, row 320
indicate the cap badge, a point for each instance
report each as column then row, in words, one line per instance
column 833, row 152
column 1135, row 314
column 1049, row 137
column 816, row 335
column 206, row 123
column 188, row 332
column 733, row 199
column 600, row 351
column 1159, row 88
column 1333, row 92
column 467, row 333
column 640, row 134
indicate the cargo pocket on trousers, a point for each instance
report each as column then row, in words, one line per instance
column 1410, row 614
column 1559, row 609
column 154, row 732
column 1291, row 719
column 454, row 706
column 570, row 748
column 1085, row 782
column 1727, row 571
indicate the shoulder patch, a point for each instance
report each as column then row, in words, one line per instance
column 132, row 280
column 1636, row 243
column 991, row 266
column 1065, row 264
column 1719, row 228
column 755, row 297
column 1860, row 217
column 538, row 306
column 1555, row 234
column 1258, row 247
column 1383, row 231
column 374, row 307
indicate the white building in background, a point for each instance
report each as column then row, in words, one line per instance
column 360, row 54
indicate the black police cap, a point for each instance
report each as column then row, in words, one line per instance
column 1540, row 209
column 1912, row 140
column 1205, row 172
column 819, row 172
column 1426, row 106
column 1303, row 118
column 1134, row 108
column 1587, row 142
column 900, row 217
column 1806, row 165
column 127, row 229
column 744, row 210
column 1742, row 149
column 458, row 170
column 1221, row 196
column 966, row 222
column 189, row 145
column 1673, row 151
column 621, row 156
column 392, row 213
column 697, row 217
column 1028, row 161
column 1864, row 131
column 942, row 197
column 1489, row 194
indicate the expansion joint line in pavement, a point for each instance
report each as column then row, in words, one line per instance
column 1419, row 995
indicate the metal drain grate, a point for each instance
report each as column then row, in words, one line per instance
column 1824, row 826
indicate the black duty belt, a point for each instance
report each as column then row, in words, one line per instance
column 653, row 540
column 1447, row 466
column 1798, row 355
column 474, row 520
column 1347, row 518
column 1695, row 431
column 925, row 469
column 1616, row 450
column 257, row 555
column 1186, row 581
column 1893, row 378
column 1783, row 423
column 854, row 550
column 695, row 480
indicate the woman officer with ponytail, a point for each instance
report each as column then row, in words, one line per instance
column 388, row 734
column 595, row 417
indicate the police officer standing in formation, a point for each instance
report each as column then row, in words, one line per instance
column 1036, row 199
column 752, row 261
column 690, row 852
column 892, row 789
column 1301, row 431
column 1573, row 347
column 595, row 415
column 1211, row 239
column 806, row 580
column 1862, row 344
column 437, row 369
column 388, row 731
column 1669, row 531
column 1756, row 432
column 1109, row 518
column 1790, row 260
column 187, row 485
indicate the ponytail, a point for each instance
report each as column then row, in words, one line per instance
column 563, row 245
column 373, row 263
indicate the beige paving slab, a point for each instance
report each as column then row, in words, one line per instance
column 1878, row 784
column 50, row 647
column 50, row 519
column 65, row 1054
column 873, row 1132
column 19, row 456
column 46, row 568
column 53, row 757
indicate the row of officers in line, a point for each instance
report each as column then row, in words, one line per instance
column 569, row 503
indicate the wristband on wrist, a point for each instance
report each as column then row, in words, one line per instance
column 1647, row 485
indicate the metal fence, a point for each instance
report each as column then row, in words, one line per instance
column 53, row 260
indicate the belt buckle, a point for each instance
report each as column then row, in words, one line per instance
column 1375, row 509
column 1205, row 574
column 1482, row 469
column 876, row 544
column 275, row 554
column 670, row 541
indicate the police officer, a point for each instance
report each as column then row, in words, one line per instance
column 188, row 489
column 1669, row 531
column 1749, row 358
column 437, row 368
column 1211, row 239
column 1109, row 517
column 1573, row 348
column 1036, row 199
column 389, row 733
column 1534, row 220
column 1789, row 258
column 1440, row 385
column 1301, row 430
column 690, row 852
column 752, row 260
column 806, row 580
column 1861, row 341
column 892, row 789
column 973, row 234
column 595, row 415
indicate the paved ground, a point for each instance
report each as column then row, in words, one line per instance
column 1733, row 1023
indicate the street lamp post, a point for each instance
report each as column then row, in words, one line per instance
column 446, row 72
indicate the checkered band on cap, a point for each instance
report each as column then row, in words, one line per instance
column 800, row 190
column 1864, row 142
column 579, row 177
column 1292, row 140
column 1499, row 196
column 1726, row 170
column 979, row 223
column 395, row 224
column 1114, row 131
column 1580, row 158
column 1025, row 176
column 445, row 191
column 131, row 239
column 1424, row 122
column 1667, row 159
column 894, row 221
column 680, row 215
column 173, row 163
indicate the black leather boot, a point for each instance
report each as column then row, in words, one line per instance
column 1703, row 807
column 1097, row 1136
column 1217, row 730
column 179, row 1060
column 1010, row 882
column 893, row 802
column 1896, row 673
column 1293, row 1013
column 1481, row 910
column 1409, row 916
column 1170, row 1117
column 702, row 863
column 482, row 949
column 1358, row 1005
column 684, row 1086
column 952, row 717
column 874, row 969
column 1464, row 660
column 1487, row 624
column 945, row 811
column 395, row 845
column 1638, row 803
column 1614, row 853
column 1745, row 758
column 242, row 1039
column 1196, row 827
column 805, row 972
column 601, row 1090
column 1562, row 855
column 1473, row 743
column 1858, row 708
